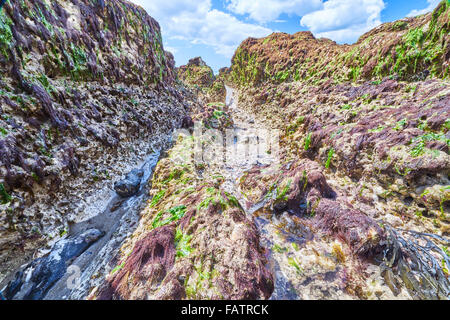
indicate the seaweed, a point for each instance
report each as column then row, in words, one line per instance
column 5, row 197
column 417, row 259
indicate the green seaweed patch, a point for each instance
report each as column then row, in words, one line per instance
column 294, row 263
column 329, row 158
column 282, row 76
column 446, row 125
column 182, row 243
column 6, row 35
column 218, row 198
column 307, row 143
column 378, row 129
column 3, row 132
column 279, row 249
column 218, row 114
column 282, row 195
column 157, row 198
column 5, row 197
column 294, row 126
column 420, row 142
column 176, row 213
column 400, row 125
column 117, row 268
column 42, row 78
column 176, row 174
column 399, row 25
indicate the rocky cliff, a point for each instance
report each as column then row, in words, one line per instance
column 355, row 207
column 200, row 78
column 87, row 91
column 409, row 49
column 364, row 148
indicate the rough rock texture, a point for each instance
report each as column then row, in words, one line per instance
column 302, row 189
column 372, row 156
column 391, row 144
column 356, row 207
column 412, row 48
column 365, row 162
column 198, row 76
column 86, row 85
column 194, row 241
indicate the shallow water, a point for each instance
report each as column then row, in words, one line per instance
column 248, row 130
column 117, row 219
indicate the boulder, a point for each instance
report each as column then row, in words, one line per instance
column 130, row 185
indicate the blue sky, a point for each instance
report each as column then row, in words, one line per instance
column 213, row 29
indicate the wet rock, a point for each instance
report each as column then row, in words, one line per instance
column 187, row 122
column 50, row 135
column 37, row 278
column 130, row 185
column 203, row 247
column 359, row 231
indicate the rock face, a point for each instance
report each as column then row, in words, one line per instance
column 411, row 49
column 87, row 91
column 366, row 163
column 199, row 77
column 382, row 148
column 196, row 72
column 194, row 241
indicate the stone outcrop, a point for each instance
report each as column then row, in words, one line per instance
column 86, row 90
column 194, row 241
column 130, row 184
column 364, row 145
column 38, row 276
column 409, row 49
column 200, row 78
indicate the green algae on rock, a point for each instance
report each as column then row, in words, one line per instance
column 199, row 76
column 364, row 146
column 412, row 48
column 207, row 248
column 83, row 89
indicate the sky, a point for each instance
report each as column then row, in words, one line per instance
column 213, row 29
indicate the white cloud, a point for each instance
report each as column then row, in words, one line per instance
column 349, row 35
column 224, row 32
column 344, row 20
column 269, row 10
column 163, row 9
column 198, row 23
column 432, row 4
column 172, row 50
